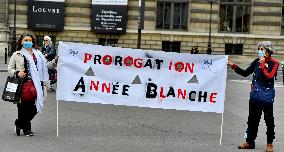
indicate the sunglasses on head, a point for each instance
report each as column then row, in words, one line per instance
column 26, row 34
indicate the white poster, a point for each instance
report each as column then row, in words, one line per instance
column 144, row 78
column 109, row 2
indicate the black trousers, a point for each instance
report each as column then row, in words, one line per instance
column 26, row 112
column 255, row 111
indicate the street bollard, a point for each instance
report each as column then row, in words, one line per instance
column 283, row 70
column 6, row 54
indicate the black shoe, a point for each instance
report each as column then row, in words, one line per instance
column 28, row 133
column 17, row 130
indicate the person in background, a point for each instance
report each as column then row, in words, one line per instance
column 48, row 49
column 194, row 50
column 265, row 69
column 53, row 63
column 209, row 50
column 30, row 65
column 50, row 53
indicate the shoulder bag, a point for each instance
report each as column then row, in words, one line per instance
column 12, row 89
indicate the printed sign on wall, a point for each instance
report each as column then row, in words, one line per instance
column 109, row 16
column 46, row 15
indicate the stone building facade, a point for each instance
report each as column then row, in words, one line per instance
column 173, row 25
column 3, row 26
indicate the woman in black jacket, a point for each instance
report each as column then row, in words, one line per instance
column 264, row 69
column 50, row 53
column 48, row 49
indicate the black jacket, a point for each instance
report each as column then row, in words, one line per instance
column 50, row 51
column 267, row 71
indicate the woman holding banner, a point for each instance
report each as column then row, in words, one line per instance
column 30, row 65
column 262, row 94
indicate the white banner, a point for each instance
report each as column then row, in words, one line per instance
column 144, row 78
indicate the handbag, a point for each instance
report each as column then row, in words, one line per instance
column 28, row 92
column 12, row 89
column 260, row 92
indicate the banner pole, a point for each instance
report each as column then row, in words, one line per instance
column 222, row 129
column 57, row 131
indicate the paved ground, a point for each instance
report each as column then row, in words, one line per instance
column 88, row 127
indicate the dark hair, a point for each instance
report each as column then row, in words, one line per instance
column 19, row 43
column 269, row 52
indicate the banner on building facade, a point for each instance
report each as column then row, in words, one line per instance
column 109, row 16
column 46, row 15
column 144, row 78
